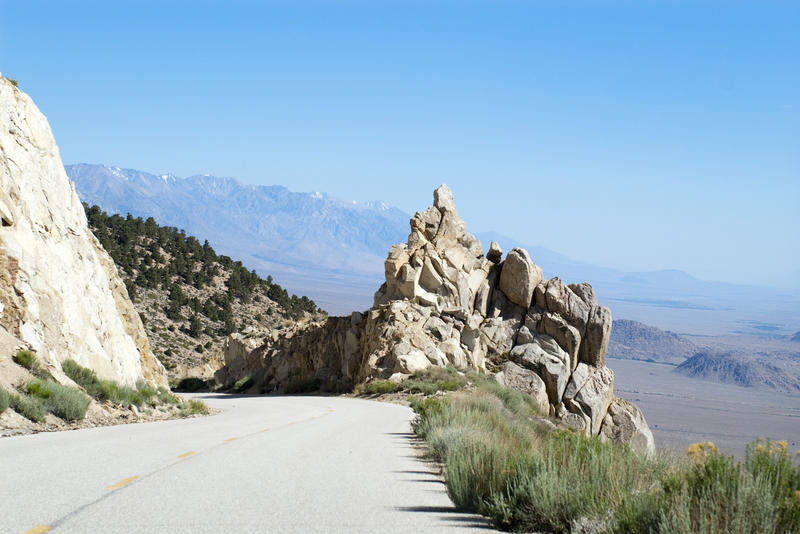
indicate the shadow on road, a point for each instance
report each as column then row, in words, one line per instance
column 450, row 516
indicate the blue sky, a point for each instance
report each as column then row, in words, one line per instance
column 640, row 135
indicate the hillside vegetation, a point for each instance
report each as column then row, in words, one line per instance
column 189, row 297
column 502, row 460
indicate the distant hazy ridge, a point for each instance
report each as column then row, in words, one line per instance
column 293, row 236
column 333, row 250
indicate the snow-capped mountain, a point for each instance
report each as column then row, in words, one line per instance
column 299, row 238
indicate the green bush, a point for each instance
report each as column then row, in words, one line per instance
column 29, row 407
column 501, row 462
column 147, row 391
column 26, row 359
column 243, row 384
column 426, row 382
column 79, row 374
column 102, row 389
column 193, row 407
column 5, row 400
column 379, row 387
column 718, row 494
column 165, row 396
column 62, row 401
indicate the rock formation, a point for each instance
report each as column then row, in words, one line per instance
column 60, row 294
column 445, row 303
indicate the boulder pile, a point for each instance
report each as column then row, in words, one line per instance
column 446, row 303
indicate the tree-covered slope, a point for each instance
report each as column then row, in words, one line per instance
column 189, row 297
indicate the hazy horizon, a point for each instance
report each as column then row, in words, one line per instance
column 482, row 231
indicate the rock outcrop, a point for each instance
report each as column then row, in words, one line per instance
column 445, row 303
column 60, row 293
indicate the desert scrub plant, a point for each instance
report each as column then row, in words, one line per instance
column 426, row 382
column 165, row 396
column 380, row 387
column 101, row 389
column 243, row 384
column 26, row 359
column 67, row 403
column 5, row 400
column 29, row 407
column 147, row 391
column 193, row 407
column 501, row 462
column 714, row 493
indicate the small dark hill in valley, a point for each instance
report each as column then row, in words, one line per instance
column 795, row 337
column 632, row 340
column 729, row 368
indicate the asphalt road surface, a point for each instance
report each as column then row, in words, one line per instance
column 266, row 464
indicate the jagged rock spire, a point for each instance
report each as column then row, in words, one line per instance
column 445, row 303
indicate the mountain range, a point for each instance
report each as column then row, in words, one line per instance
column 333, row 250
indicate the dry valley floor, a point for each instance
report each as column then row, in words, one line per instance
column 682, row 410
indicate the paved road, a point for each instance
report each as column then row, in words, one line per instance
column 266, row 464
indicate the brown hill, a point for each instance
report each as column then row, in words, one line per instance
column 632, row 340
column 730, row 368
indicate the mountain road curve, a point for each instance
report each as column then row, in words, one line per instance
column 264, row 464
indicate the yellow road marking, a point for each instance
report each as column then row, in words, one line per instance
column 38, row 529
column 186, row 454
column 265, row 430
column 231, row 439
column 122, row 483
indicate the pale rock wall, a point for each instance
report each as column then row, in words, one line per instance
column 60, row 292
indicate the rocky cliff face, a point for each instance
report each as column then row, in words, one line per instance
column 446, row 303
column 60, row 293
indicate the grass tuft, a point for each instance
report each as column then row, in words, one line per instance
column 193, row 407
column 26, row 359
column 165, row 396
column 5, row 400
column 380, row 387
column 67, row 403
column 147, row 391
column 426, row 382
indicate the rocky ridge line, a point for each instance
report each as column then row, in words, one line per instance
column 446, row 303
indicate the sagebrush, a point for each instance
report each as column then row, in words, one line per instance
column 67, row 403
column 500, row 460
